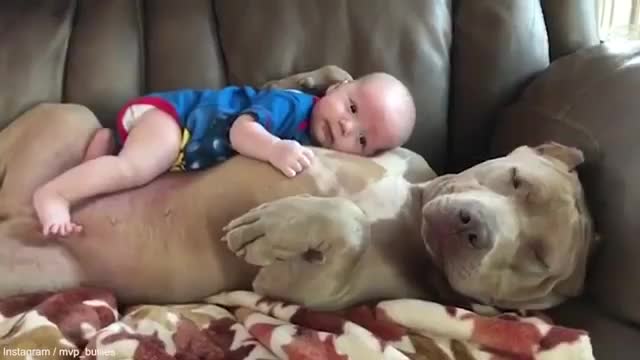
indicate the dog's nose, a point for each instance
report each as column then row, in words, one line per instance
column 473, row 231
column 464, row 216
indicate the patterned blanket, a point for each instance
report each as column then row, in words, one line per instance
column 88, row 324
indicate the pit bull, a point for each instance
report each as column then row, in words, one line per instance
column 512, row 232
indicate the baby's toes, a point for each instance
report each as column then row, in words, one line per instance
column 75, row 228
column 69, row 228
column 63, row 229
column 52, row 229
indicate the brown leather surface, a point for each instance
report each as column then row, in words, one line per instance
column 263, row 40
column 105, row 62
column 182, row 46
column 33, row 45
column 464, row 61
column 571, row 25
column 589, row 100
column 498, row 46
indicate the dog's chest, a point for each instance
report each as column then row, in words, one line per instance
column 384, row 199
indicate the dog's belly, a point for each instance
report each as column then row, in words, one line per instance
column 156, row 244
column 161, row 243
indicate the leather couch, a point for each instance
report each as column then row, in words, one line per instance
column 487, row 75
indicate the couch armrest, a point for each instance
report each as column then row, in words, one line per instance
column 591, row 100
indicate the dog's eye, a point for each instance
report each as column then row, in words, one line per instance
column 515, row 178
column 524, row 189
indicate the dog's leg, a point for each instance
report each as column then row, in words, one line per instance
column 40, row 144
column 34, row 148
column 29, row 269
column 308, row 248
column 315, row 81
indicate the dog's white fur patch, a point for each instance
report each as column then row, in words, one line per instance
column 383, row 199
column 375, row 199
column 392, row 161
column 324, row 172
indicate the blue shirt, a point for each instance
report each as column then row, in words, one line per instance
column 206, row 117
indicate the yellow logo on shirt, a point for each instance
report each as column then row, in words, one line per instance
column 179, row 164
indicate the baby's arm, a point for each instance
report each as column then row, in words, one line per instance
column 251, row 139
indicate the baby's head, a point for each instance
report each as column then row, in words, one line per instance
column 365, row 116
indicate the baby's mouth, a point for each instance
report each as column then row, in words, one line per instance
column 328, row 134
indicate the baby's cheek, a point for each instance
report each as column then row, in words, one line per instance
column 320, row 107
column 347, row 146
column 330, row 103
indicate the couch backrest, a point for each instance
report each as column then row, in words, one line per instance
column 463, row 60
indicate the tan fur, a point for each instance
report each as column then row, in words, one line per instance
column 348, row 229
column 362, row 219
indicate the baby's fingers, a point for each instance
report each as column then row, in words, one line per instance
column 288, row 171
column 304, row 162
column 308, row 155
column 296, row 166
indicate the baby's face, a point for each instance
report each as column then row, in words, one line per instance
column 354, row 118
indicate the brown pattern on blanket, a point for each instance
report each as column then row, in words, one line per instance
column 84, row 323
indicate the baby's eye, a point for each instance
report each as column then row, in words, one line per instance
column 363, row 141
column 353, row 108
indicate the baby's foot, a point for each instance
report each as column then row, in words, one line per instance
column 53, row 212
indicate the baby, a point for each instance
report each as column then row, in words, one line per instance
column 193, row 129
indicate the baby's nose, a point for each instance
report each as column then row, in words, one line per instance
column 347, row 126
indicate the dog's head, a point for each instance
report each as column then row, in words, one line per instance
column 512, row 232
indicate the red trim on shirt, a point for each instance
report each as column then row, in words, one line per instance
column 305, row 123
column 158, row 103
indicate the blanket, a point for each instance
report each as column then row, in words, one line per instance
column 88, row 323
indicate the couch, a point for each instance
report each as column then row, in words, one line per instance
column 487, row 75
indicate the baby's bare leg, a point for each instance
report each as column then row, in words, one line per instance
column 150, row 149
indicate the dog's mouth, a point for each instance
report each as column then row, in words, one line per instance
column 455, row 228
column 443, row 239
column 437, row 227
column 431, row 244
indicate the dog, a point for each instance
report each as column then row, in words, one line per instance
column 512, row 232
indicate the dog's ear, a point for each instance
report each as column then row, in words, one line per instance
column 570, row 156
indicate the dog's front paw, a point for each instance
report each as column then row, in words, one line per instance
column 315, row 81
column 286, row 83
column 271, row 232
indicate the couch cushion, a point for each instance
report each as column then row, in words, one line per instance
column 34, row 37
column 410, row 39
column 499, row 45
column 122, row 48
column 571, row 25
column 590, row 100
column 105, row 56
column 182, row 47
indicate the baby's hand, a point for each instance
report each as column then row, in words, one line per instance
column 290, row 157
